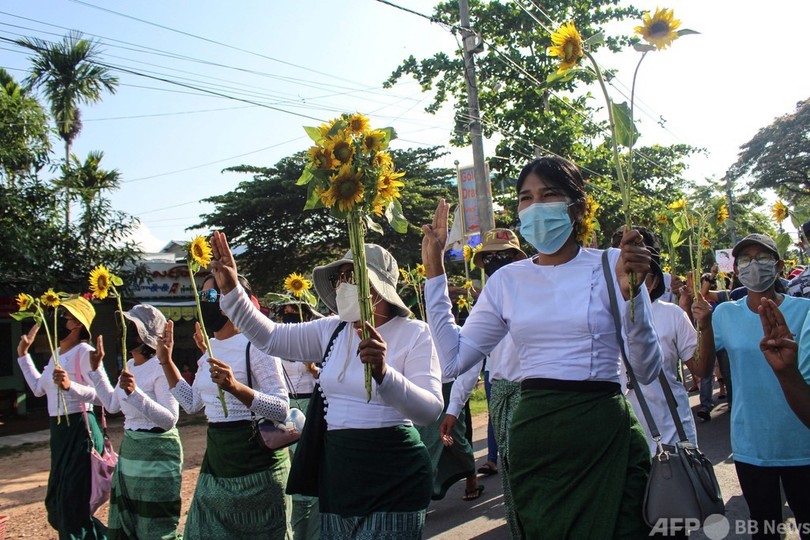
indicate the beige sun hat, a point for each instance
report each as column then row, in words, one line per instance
column 383, row 274
column 497, row 240
column 149, row 321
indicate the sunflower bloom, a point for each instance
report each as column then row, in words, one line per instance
column 297, row 284
column 659, row 29
column 341, row 148
column 567, row 46
column 200, row 251
column 346, row 190
column 383, row 161
column 467, row 253
column 326, row 128
column 358, row 124
column 667, row 269
column 100, row 281
column 588, row 224
column 779, row 211
column 678, row 205
column 50, row 298
column 388, row 185
column 462, row 303
column 420, row 270
column 25, row 302
column 404, row 275
column 374, row 141
column 704, row 243
column 722, row 214
column 322, row 157
column 468, row 284
column 662, row 219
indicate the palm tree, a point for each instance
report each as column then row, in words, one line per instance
column 88, row 180
column 68, row 74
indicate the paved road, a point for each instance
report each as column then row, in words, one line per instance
column 452, row 518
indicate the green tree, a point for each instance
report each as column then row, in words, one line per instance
column 24, row 143
column 778, row 157
column 88, row 181
column 69, row 75
column 266, row 217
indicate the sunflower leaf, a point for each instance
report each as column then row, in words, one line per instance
column 22, row 315
column 314, row 133
column 390, row 135
column 305, row 177
column 642, row 47
column 596, row 39
column 626, row 132
column 313, row 198
column 374, row 226
column 783, row 242
column 687, row 32
column 116, row 281
column 396, row 218
column 557, row 77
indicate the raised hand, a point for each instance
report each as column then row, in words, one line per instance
column 635, row 258
column 98, row 355
column 372, row 351
column 26, row 340
column 223, row 265
column 702, row 312
column 434, row 240
column 779, row 345
column 166, row 343
column 199, row 339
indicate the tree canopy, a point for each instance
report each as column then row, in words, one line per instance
column 24, row 143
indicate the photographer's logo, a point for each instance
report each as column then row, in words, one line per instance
column 718, row 527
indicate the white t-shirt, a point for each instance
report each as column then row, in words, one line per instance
column 270, row 399
column 78, row 397
column 411, row 392
column 678, row 342
column 559, row 318
column 151, row 405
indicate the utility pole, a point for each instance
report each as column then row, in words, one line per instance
column 482, row 188
column 731, row 213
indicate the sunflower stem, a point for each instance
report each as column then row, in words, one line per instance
column 357, row 245
column 124, row 351
column 220, row 393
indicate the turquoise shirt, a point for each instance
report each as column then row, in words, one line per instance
column 764, row 430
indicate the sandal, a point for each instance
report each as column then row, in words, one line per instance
column 488, row 469
column 472, row 495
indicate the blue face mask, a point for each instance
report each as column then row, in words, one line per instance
column 546, row 226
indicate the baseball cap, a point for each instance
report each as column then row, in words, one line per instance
column 755, row 239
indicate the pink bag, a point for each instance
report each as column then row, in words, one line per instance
column 101, row 467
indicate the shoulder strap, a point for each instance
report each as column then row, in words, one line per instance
column 332, row 339
column 645, row 409
column 247, row 365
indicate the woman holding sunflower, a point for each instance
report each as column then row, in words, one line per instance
column 578, row 457
column 375, row 477
column 73, row 425
column 240, row 490
column 145, row 500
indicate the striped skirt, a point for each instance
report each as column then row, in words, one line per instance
column 375, row 483
column 503, row 401
column 67, row 499
column 578, row 465
column 240, row 491
column 145, row 501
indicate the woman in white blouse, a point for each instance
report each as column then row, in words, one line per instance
column 578, row 456
column 68, row 497
column 145, row 498
column 375, row 477
column 240, row 490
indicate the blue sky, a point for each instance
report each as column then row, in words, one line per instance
column 317, row 59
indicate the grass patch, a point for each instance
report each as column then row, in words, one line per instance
column 478, row 400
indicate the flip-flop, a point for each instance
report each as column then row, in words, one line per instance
column 472, row 495
column 487, row 470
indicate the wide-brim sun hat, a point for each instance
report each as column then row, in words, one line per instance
column 497, row 240
column 149, row 322
column 82, row 309
column 278, row 307
column 383, row 274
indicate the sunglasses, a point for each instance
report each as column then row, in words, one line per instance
column 505, row 255
column 210, row 296
column 347, row 276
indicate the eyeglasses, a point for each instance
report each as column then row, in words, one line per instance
column 210, row 295
column 505, row 255
column 743, row 261
column 347, row 276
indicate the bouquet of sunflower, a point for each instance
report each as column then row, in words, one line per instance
column 415, row 278
column 198, row 256
column 350, row 172
column 103, row 283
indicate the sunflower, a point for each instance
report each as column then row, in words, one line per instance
column 779, row 211
column 326, row 128
column 588, row 224
column 404, row 275
column 358, row 123
column 296, row 284
column 462, row 303
column 667, row 269
column 420, row 270
column 704, row 243
column 468, row 284
column 388, row 185
column 383, row 161
column 322, row 157
column 659, row 29
column 567, row 46
column 200, row 251
column 662, row 219
column 467, row 253
column 100, row 281
column 678, row 205
column 722, row 214
column 341, row 148
column 345, row 190
column 374, row 141
column 50, row 298
column 25, row 302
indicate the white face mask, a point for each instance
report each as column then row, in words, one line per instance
column 348, row 303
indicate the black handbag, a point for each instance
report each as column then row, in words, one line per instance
column 306, row 463
column 682, row 484
column 268, row 434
